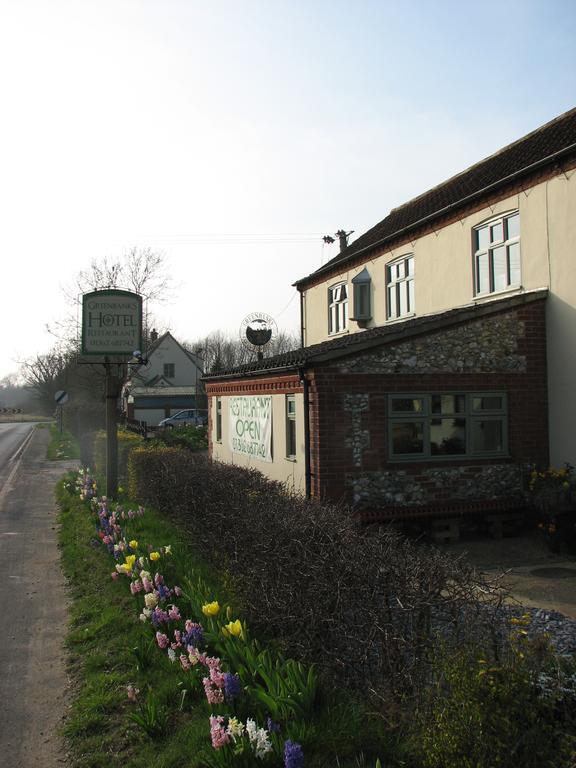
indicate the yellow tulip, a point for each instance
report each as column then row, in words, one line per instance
column 133, row 544
column 130, row 560
column 233, row 629
column 154, row 556
column 211, row 609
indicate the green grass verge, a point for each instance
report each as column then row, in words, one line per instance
column 62, row 445
column 105, row 630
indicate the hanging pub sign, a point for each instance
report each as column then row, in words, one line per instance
column 111, row 322
column 250, row 420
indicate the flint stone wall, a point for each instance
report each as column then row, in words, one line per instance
column 485, row 346
column 469, row 483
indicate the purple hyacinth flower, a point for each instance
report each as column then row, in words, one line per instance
column 293, row 755
column 195, row 636
column 232, row 687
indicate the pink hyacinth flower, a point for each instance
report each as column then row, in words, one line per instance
column 174, row 613
column 162, row 640
column 213, row 695
column 218, row 733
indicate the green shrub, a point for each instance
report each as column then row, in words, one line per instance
column 192, row 438
column 486, row 713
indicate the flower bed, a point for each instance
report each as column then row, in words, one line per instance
column 262, row 704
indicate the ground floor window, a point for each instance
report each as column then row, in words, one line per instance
column 430, row 426
column 290, row 427
column 218, row 419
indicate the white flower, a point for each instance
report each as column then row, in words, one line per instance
column 172, row 654
column 143, row 617
column 151, row 600
column 263, row 745
column 251, row 729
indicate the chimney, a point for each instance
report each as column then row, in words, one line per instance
column 153, row 334
column 343, row 237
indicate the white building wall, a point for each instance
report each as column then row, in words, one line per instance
column 289, row 471
column 168, row 351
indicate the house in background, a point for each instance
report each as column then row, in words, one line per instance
column 438, row 348
column 168, row 382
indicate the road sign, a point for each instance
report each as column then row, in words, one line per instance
column 61, row 397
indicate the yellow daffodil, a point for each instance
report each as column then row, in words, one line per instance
column 130, row 560
column 168, row 549
column 154, row 556
column 211, row 609
column 133, row 544
column 233, row 629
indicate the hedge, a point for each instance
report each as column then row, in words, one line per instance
column 364, row 604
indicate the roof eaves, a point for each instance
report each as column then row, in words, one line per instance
column 377, row 337
column 347, row 256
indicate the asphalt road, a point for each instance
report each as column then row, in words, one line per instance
column 33, row 609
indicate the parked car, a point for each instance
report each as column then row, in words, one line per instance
column 187, row 418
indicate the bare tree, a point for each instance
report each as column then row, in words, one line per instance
column 141, row 270
column 221, row 352
column 45, row 374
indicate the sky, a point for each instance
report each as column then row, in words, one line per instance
column 231, row 135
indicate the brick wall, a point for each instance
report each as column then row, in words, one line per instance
column 349, row 442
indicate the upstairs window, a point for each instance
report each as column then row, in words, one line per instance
column 436, row 426
column 362, row 296
column 496, row 247
column 338, row 308
column 169, row 369
column 400, row 288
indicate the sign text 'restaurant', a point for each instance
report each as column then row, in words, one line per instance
column 250, row 419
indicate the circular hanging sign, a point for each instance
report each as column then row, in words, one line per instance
column 258, row 330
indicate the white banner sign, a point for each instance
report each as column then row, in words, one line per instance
column 250, row 420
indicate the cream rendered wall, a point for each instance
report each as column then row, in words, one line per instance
column 561, row 318
column 170, row 352
column 291, row 472
column 443, row 267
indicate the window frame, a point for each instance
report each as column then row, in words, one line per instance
column 338, row 314
column 426, row 415
column 218, row 419
column 488, row 250
column 290, row 422
column 362, row 296
column 406, row 284
column 169, row 370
